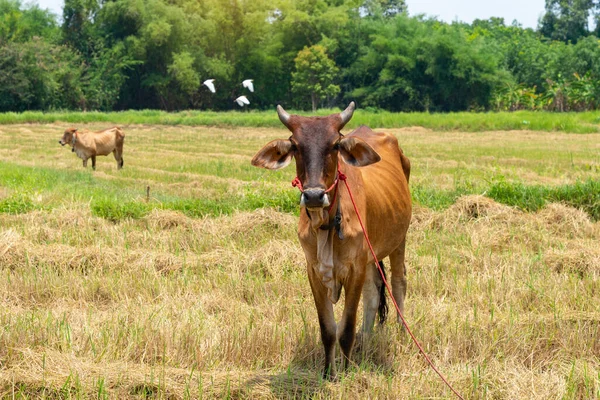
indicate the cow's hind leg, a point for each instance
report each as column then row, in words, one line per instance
column 119, row 157
column 373, row 298
column 94, row 163
column 326, row 321
column 347, row 327
column 398, row 268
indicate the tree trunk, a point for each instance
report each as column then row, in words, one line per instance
column 313, row 97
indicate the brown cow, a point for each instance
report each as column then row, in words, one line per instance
column 88, row 144
column 336, row 252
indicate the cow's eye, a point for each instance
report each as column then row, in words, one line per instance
column 336, row 146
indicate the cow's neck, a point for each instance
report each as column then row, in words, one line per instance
column 325, row 239
column 335, row 222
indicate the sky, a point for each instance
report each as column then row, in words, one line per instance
column 527, row 12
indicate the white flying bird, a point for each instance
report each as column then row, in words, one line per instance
column 248, row 84
column 242, row 100
column 210, row 85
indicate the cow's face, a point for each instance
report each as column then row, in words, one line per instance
column 68, row 137
column 316, row 144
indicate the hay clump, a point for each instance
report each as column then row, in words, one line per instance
column 271, row 260
column 85, row 259
column 421, row 217
column 473, row 208
column 583, row 261
column 12, row 249
column 562, row 219
column 268, row 219
column 244, row 224
column 166, row 219
column 68, row 216
column 8, row 240
column 477, row 206
column 163, row 263
column 18, row 253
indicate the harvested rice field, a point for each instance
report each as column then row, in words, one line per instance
column 181, row 275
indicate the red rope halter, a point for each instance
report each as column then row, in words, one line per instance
column 340, row 177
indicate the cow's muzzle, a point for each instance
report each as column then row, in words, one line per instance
column 61, row 142
column 314, row 198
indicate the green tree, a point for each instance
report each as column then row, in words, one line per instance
column 182, row 70
column 566, row 20
column 79, row 28
column 385, row 8
column 37, row 75
column 19, row 24
column 314, row 75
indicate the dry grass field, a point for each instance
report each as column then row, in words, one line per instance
column 200, row 291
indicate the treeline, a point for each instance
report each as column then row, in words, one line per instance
column 155, row 54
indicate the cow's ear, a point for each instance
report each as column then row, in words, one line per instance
column 275, row 155
column 357, row 152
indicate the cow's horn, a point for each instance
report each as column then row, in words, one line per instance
column 346, row 115
column 284, row 117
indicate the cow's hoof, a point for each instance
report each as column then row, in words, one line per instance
column 330, row 377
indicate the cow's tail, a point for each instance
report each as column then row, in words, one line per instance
column 119, row 140
column 383, row 307
column 405, row 165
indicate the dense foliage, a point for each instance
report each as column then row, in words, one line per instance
column 155, row 54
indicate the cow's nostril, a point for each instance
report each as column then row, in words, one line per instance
column 314, row 198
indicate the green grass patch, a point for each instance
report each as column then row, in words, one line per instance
column 585, row 122
column 583, row 195
column 436, row 199
column 17, row 204
column 117, row 200
column 116, row 210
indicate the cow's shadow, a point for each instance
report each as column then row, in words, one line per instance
column 302, row 379
column 287, row 385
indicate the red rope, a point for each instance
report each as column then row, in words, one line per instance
column 298, row 183
column 389, row 289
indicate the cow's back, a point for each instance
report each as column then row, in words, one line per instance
column 385, row 188
column 107, row 140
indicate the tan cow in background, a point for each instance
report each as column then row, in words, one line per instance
column 87, row 144
column 334, row 246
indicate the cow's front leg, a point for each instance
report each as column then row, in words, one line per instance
column 326, row 320
column 94, row 163
column 85, row 163
column 347, row 327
